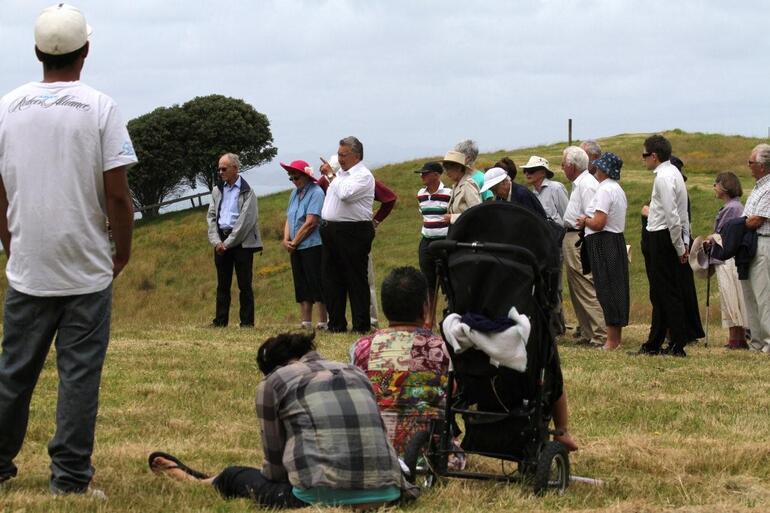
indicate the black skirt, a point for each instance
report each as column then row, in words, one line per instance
column 609, row 265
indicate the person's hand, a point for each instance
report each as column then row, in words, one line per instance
column 117, row 266
column 646, row 210
column 326, row 169
column 684, row 258
column 288, row 245
column 220, row 248
column 375, row 223
column 447, row 218
column 580, row 222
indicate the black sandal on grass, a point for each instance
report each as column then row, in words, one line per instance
column 178, row 464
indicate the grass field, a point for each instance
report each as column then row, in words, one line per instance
column 664, row 434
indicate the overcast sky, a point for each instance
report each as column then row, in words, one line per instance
column 410, row 78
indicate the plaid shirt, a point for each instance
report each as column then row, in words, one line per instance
column 758, row 204
column 321, row 427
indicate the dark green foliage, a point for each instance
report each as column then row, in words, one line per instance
column 159, row 141
column 218, row 125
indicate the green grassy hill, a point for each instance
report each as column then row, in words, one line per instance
column 674, row 435
column 171, row 280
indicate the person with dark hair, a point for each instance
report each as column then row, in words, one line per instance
column 324, row 442
column 64, row 156
column 433, row 201
column 672, row 288
column 727, row 187
column 406, row 363
column 508, row 165
column 347, row 233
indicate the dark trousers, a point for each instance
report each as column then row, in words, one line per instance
column 81, row 327
column 242, row 260
column 346, row 247
column 428, row 264
column 672, row 294
column 249, row 483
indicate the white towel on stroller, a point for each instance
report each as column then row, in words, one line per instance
column 506, row 348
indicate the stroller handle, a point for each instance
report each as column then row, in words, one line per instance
column 438, row 246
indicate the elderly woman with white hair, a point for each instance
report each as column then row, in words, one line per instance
column 465, row 193
column 604, row 225
column 470, row 149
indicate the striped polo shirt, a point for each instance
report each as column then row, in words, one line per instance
column 433, row 207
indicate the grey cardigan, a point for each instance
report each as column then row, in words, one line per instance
column 246, row 230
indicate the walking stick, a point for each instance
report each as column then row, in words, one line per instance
column 708, row 293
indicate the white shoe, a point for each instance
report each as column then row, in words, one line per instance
column 756, row 345
column 91, row 493
column 323, row 326
column 307, row 325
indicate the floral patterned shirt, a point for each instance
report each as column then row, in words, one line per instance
column 408, row 370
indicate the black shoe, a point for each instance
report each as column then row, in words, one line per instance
column 647, row 350
column 215, row 324
column 247, row 325
column 677, row 351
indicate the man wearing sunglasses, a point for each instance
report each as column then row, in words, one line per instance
column 672, row 289
column 234, row 232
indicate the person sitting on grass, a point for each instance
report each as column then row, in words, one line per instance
column 406, row 362
column 323, row 439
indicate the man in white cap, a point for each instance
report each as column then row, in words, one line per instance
column 64, row 152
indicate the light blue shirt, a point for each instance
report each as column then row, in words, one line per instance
column 310, row 202
column 228, row 209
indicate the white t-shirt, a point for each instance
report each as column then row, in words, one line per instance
column 611, row 200
column 56, row 141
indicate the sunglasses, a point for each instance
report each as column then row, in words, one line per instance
column 645, row 155
column 294, row 178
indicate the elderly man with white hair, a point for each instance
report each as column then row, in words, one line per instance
column 756, row 290
column 589, row 314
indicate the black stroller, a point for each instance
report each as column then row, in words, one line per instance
column 496, row 256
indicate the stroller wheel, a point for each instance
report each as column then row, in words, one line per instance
column 421, row 460
column 552, row 469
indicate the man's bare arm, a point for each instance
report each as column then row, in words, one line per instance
column 5, row 235
column 120, row 210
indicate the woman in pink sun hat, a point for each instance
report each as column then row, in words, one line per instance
column 302, row 240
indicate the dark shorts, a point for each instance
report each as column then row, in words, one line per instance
column 306, row 270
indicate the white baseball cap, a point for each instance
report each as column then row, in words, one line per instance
column 493, row 177
column 61, row 29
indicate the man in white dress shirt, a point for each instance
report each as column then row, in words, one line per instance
column 347, row 233
column 756, row 290
column 672, row 289
column 581, row 286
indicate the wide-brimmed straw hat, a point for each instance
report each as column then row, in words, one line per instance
column 455, row 157
column 536, row 162
column 699, row 260
column 300, row 166
column 493, row 177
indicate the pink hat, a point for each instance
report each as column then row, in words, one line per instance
column 300, row 166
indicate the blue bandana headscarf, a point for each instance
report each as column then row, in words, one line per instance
column 610, row 164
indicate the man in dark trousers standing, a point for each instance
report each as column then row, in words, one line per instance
column 347, row 233
column 672, row 289
column 234, row 232
column 64, row 152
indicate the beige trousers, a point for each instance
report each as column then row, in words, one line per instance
column 582, row 293
column 756, row 292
